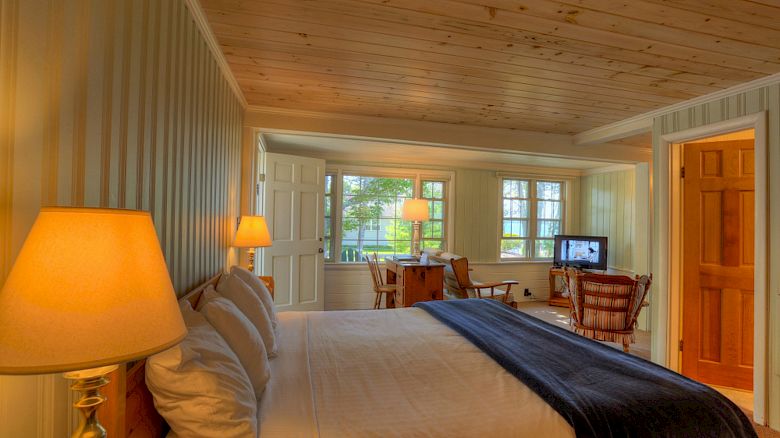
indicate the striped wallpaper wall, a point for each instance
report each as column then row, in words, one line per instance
column 116, row 104
column 607, row 208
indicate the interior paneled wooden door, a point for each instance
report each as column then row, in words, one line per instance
column 294, row 196
column 718, row 239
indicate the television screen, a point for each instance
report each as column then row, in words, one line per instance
column 587, row 252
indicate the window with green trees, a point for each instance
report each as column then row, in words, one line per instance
column 371, row 217
column 363, row 212
column 532, row 214
column 433, row 231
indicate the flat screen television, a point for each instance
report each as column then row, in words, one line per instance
column 586, row 252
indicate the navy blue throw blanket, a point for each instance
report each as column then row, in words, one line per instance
column 600, row 391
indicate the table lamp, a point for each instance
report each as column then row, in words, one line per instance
column 89, row 290
column 415, row 210
column 252, row 233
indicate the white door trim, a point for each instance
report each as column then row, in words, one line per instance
column 667, row 313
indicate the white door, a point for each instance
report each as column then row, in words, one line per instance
column 294, row 195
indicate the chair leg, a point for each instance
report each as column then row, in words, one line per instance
column 377, row 299
column 625, row 346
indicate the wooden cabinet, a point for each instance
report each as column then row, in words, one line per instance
column 414, row 281
column 558, row 288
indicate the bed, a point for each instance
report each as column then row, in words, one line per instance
column 406, row 372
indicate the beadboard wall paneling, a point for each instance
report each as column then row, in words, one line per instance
column 348, row 287
column 607, row 208
column 759, row 99
column 115, row 104
column 477, row 205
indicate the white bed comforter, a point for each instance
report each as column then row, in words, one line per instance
column 393, row 373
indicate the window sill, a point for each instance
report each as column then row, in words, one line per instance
column 520, row 262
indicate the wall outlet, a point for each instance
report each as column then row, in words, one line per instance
column 526, row 292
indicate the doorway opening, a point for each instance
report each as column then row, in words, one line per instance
column 669, row 263
column 718, row 237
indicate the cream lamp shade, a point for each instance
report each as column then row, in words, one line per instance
column 89, row 288
column 415, row 210
column 252, row 232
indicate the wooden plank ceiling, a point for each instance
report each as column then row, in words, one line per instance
column 550, row 66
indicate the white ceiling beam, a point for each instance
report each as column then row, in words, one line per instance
column 614, row 131
column 280, row 120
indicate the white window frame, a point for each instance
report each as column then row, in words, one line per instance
column 566, row 196
column 418, row 175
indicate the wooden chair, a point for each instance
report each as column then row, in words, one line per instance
column 379, row 287
column 606, row 307
column 460, row 269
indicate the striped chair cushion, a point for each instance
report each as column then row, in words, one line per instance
column 605, row 306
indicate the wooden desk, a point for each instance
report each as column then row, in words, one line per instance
column 414, row 282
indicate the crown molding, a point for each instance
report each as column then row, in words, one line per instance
column 205, row 29
column 644, row 122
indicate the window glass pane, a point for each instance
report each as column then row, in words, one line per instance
column 433, row 229
column 548, row 210
column 434, row 244
column 544, row 249
column 515, row 188
column 514, row 248
column 371, row 217
column 438, row 190
column 515, row 208
column 548, row 190
column 515, row 228
column 548, row 228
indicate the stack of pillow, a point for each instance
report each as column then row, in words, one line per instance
column 209, row 384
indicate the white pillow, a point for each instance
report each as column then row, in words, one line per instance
column 242, row 337
column 259, row 288
column 200, row 387
column 232, row 288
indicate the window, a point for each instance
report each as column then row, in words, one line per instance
column 433, row 231
column 532, row 213
column 328, row 222
column 549, row 212
column 371, row 217
column 364, row 206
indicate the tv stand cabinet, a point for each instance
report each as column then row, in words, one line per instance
column 558, row 288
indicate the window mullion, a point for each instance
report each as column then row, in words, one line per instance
column 336, row 215
column 532, row 220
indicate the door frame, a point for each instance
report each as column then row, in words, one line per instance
column 669, row 259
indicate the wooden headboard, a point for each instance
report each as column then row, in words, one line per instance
column 129, row 411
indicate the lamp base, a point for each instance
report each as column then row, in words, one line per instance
column 416, row 238
column 251, row 267
column 88, row 383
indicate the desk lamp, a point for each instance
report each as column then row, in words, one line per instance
column 415, row 210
